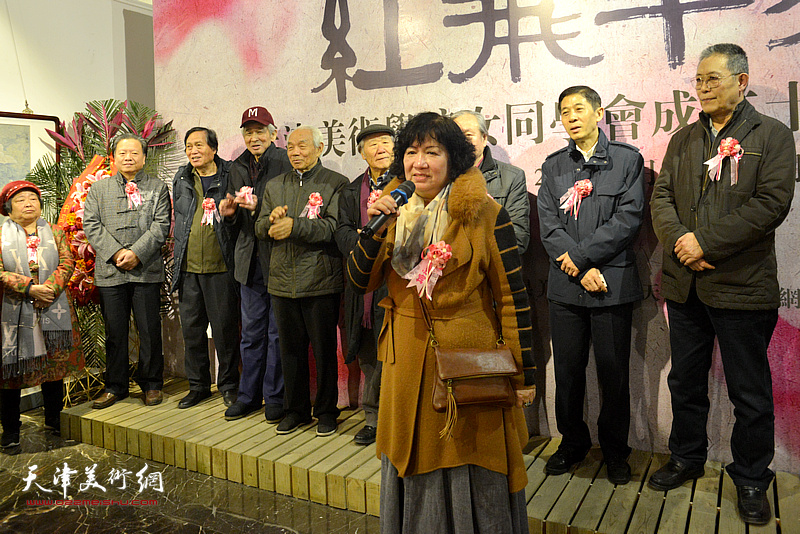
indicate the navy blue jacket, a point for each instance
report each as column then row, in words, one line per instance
column 184, row 205
column 607, row 224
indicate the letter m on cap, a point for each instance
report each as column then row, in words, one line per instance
column 252, row 112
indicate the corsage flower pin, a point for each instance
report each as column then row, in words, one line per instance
column 571, row 200
column 134, row 196
column 313, row 205
column 33, row 244
column 246, row 194
column 210, row 213
column 427, row 272
column 728, row 148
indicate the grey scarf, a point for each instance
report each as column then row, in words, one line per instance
column 27, row 334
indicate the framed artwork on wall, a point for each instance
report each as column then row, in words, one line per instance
column 23, row 141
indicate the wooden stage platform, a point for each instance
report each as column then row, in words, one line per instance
column 334, row 471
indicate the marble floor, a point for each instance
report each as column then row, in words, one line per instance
column 187, row 502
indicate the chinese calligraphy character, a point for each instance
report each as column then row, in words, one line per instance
column 395, row 75
column 513, row 13
column 340, row 56
column 794, row 104
column 153, row 480
column 29, row 479
column 780, row 7
column 680, row 114
column 117, row 474
column 672, row 11
column 63, row 477
column 334, row 138
column 524, row 120
column 91, row 480
column 623, row 116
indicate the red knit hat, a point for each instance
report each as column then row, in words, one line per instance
column 12, row 188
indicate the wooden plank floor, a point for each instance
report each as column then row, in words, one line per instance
column 335, row 471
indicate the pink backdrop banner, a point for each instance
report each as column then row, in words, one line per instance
column 343, row 64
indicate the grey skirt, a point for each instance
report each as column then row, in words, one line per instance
column 458, row 500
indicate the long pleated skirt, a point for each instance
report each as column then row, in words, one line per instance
column 461, row 500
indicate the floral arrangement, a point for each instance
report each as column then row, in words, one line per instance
column 728, row 148
column 81, row 285
column 425, row 275
column 571, row 200
column 134, row 196
column 82, row 157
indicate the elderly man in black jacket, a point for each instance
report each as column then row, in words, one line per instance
column 204, row 269
column 591, row 205
column 262, row 376
column 726, row 184
column 362, row 315
column 299, row 216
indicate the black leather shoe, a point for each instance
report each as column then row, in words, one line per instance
column 563, row 459
column 292, row 422
column 753, row 505
column 229, row 397
column 9, row 440
column 274, row 413
column 674, row 474
column 366, row 435
column 193, row 399
column 618, row 471
column 239, row 409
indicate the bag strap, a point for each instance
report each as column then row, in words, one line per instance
column 429, row 322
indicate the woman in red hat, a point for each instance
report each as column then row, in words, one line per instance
column 40, row 339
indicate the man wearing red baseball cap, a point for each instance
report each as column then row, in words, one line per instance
column 262, row 376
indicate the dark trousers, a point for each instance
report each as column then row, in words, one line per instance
column 262, row 373
column 302, row 321
column 743, row 337
column 608, row 330
column 371, row 367
column 53, row 395
column 213, row 298
column 117, row 303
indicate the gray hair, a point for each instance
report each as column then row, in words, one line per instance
column 734, row 54
column 316, row 135
column 271, row 127
column 126, row 135
column 478, row 116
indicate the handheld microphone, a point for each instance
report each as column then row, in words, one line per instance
column 400, row 195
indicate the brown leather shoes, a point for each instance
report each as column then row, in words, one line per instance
column 105, row 400
column 153, row 397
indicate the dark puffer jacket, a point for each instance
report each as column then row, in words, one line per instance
column 734, row 224
column 308, row 262
column 184, row 205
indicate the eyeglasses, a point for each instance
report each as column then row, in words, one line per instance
column 712, row 82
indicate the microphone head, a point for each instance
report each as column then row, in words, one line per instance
column 403, row 192
column 408, row 186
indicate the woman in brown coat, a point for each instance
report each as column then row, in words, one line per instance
column 473, row 481
column 40, row 339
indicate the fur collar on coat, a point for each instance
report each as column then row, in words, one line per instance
column 468, row 195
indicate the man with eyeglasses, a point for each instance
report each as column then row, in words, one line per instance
column 725, row 185
column 262, row 375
